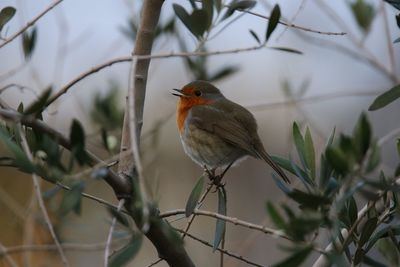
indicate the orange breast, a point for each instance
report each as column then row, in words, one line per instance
column 184, row 105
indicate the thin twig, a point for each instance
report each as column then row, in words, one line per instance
column 293, row 18
column 388, row 38
column 223, row 251
column 39, row 197
column 110, row 234
column 65, row 246
column 30, row 23
column 7, row 257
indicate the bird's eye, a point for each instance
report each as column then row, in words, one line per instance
column 197, row 93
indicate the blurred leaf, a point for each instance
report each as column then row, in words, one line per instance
column 394, row 3
column 20, row 108
column 238, row 5
column 398, row 146
column 352, row 210
column 374, row 158
column 287, row 49
column 303, row 176
column 182, row 15
column 300, row 145
column 255, row 36
column 72, row 199
column 275, row 216
column 308, row 200
column 218, row 5
column 383, row 232
column 358, row 256
column 6, row 14
column 362, row 136
column 338, row 160
column 325, row 172
column 309, row 153
column 368, row 228
column 220, row 224
column 208, row 6
column 389, row 251
column 280, row 184
column 296, row 258
column 273, row 21
column 288, row 165
column 385, row 99
column 222, row 73
column 398, row 19
column 194, row 197
column 127, row 253
column 364, row 14
column 372, row 262
column 29, row 42
column 121, row 218
column 199, row 22
column 77, row 140
column 39, row 104
column 396, row 41
column 130, row 30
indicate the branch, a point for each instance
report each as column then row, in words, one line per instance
column 39, row 197
column 223, row 251
column 7, row 258
column 30, row 23
column 110, row 234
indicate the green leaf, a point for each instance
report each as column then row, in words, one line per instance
column 338, row 160
column 286, row 49
column 194, row 197
column 384, row 232
column 300, row 145
column 368, row 229
column 396, row 40
column 362, row 136
column 38, row 105
column 385, row 99
column 127, row 253
column 372, row 262
column 238, row 5
column 308, row 200
column 398, row 146
column 220, row 224
column 303, row 177
column 72, row 199
column 29, row 42
column 309, row 153
column 218, row 5
column 280, row 184
column 182, row 15
column 199, row 22
column 374, row 158
column 352, row 210
column 364, row 14
column 398, row 19
column 255, row 36
column 275, row 216
column 222, row 73
column 77, row 140
column 296, row 258
column 288, row 165
column 6, row 14
column 273, row 21
column 389, row 251
column 208, row 6
column 121, row 218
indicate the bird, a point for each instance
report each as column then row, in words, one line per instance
column 216, row 132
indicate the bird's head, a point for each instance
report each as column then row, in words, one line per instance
column 197, row 93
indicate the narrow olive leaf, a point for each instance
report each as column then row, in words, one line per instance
column 299, row 143
column 398, row 19
column 29, row 42
column 255, row 36
column 127, row 253
column 389, row 251
column 396, row 40
column 374, row 158
column 286, row 49
column 121, row 218
column 273, row 21
column 394, row 3
column 288, row 165
column 72, row 199
column 6, row 14
column 309, row 153
column 208, row 6
column 382, row 233
column 352, row 210
column 280, row 184
column 77, row 140
column 337, row 160
column 182, row 15
column 362, row 136
column 385, row 99
column 276, row 217
column 220, row 224
column 296, row 258
column 238, row 5
column 39, row 104
column 364, row 14
column 194, row 197
column 218, row 5
column 199, row 22
column 368, row 229
column 222, row 73
column 304, row 177
column 372, row 262
column 308, row 200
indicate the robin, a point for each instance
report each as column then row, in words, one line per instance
column 216, row 132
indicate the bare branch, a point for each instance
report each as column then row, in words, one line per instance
column 39, row 197
column 30, row 23
column 110, row 234
column 8, row 259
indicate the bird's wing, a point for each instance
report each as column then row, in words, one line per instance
column 224, row 125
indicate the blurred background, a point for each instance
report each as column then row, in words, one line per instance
column 328, row 86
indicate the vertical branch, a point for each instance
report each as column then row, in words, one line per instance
column 42, row 206
column 110, row 234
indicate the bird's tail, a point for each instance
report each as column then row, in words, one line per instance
column 267, row 158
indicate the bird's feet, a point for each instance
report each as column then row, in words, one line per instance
column 214, row 178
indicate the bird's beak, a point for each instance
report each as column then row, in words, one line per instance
column 180, row 93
